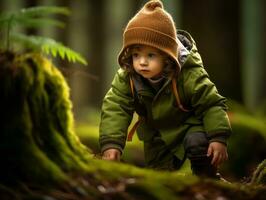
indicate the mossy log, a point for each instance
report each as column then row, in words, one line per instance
column 37, row 138
column 42, row 158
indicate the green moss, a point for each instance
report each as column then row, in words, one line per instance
column 38, row 142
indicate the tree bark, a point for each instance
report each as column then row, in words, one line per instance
column 97, row 54
column 37, row 139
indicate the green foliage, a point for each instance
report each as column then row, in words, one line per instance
column 33, row 17
column 49, row 46
column 36, row 17
column 246, row 146
column 240, row 117
column 259, row 176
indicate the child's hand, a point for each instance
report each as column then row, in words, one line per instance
column 111, row 154
column 219, row 153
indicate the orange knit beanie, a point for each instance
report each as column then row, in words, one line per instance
column 152, row 26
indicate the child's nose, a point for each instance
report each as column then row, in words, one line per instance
column 143, row 60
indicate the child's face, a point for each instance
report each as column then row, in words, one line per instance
column 147, row 61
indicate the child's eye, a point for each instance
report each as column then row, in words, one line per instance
column 151, row 55
column 135, row 55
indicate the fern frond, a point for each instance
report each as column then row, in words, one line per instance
column 35, row 23
column 33, row 16
column 49, row 46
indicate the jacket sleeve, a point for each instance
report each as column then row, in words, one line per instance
column 208, row 104
column 117, row 112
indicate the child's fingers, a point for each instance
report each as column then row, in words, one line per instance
column 111, row 156
column 215, row 157
column 226, row 155
column 115, row 156
column 105, row 157
column 220, row 158
column 223, row 158
column 210, row 150
column 218, row 152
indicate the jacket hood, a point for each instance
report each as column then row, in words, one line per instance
column 193, row 58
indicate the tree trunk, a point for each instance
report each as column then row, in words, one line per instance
column 215, row 28
column 97, row 53
column 253, row 55
column 31, row 3
column 37, row 139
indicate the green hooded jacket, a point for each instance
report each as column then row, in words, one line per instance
column 207, row 108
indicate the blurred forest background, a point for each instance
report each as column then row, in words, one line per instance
column 230, row 36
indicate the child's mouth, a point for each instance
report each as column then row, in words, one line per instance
column 144, row 70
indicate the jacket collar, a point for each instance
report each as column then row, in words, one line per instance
column 142, row 86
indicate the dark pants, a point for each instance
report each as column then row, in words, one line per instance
column 158, row 156
column 196, row 147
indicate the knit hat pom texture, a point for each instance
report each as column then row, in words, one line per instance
column 154, row 4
